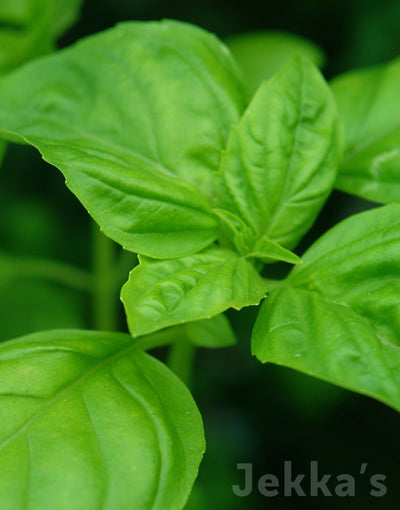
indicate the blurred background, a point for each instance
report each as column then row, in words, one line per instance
column 263, row 415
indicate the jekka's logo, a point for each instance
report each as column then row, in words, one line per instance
column 315, row 484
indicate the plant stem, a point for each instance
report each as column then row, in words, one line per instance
column 157, row 340
column 180, row 360
column 55, row 271
column 104, row 292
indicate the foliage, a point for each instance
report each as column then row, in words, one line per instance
column 155, row 132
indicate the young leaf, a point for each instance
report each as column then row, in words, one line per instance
column 91, row 421
column 168, row 292
column 142, row 98
column 269, row 251
column 369, row 104
column 301, row 330
column 262, row 54
column 281, row 159
column 247, row 243
column 351, row 274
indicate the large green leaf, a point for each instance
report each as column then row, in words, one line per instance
column 301, row 330
column 369, row 103
column 168, row 292
column 281, row 159
column 90, row 421
column 143, row 210
column 140, row 103
column 357, row 263
column 352, row 274
column 262, row 54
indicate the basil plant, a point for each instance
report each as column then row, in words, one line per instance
column 157, row 134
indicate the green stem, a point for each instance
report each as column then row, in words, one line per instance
column 104, row 293
column 57, row 272
column 157, row 340
column 180, row 360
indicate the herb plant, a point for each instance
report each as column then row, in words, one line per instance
column 156, row 133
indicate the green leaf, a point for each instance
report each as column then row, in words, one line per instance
column 262, row 54
column 357, row 263
column 145, row 211
column 64, row 14
column 164, row 293
column 211, row 333
column 25, row 31
column 269, row 251
column 352, row 274
column 281, row 159
column 301, row 330
column 93, row 422
column 369, row 104
column 28, row 28
column 246, row 243
column 140, row 103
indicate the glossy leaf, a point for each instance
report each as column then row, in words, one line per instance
column 91, row 421
column 357, row 263
column 343, row 305
column 146, row 212
column 247, row 244
column 164, row 293
column 369, row 104
column 269, row 251
column 140, row 103
column 262, row 54
column 281, row 159
column 300, row 329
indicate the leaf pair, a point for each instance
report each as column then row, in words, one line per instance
column 137, row 118
column 281, row 160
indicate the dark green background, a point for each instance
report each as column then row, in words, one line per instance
column 252, row 413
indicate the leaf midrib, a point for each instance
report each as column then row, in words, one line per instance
column 69, row 388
